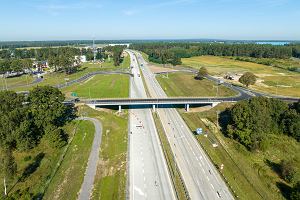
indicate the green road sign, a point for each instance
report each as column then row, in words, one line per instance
column 74, row 94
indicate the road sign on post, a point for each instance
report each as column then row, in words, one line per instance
column 74, row 94
column 199, row 131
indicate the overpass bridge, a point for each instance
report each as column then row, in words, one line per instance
column 156, row 102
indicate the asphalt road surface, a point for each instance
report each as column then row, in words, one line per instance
column 88, row 181
column 148, row 173
column 199, row 174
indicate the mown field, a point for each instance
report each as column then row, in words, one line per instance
column 36, row 166
column 101, row 86
column 270, row 79
column 15, row 81
column 110, row 180
column 251, row 175
column 184, row 84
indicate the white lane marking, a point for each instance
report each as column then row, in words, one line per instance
column 139, row 191
column 212, row 186
column 194, row 153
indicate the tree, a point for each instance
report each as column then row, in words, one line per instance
column 247, row 79
column 287, row 170
column 201, row 73
column 9, row 167
column 252, row 120
column 290, row 123
column 56, row 136
column 46, row 106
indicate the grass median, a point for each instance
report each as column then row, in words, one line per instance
column 176, row 178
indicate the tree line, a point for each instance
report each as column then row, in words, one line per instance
column 25, row 121
column 162, row 52
column 251, row 122
column 60, row 59
column 17, row 65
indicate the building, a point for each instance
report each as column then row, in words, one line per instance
column 82, row 58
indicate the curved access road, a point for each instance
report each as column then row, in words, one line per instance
column 87, row 185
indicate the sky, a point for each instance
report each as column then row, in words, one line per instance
column 155, row 19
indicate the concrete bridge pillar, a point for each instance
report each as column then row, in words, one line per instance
column 153, row 106
column 214, row 104
column 120, row 109
column 187, row 107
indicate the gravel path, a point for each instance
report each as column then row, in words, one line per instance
column 87, row 185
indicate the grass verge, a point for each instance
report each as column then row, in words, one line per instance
column 64, row 185
column 110, row 180
column 248, row 174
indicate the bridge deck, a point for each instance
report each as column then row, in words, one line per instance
column 155, row 101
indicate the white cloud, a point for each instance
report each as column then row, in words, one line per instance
column 129, row 12
column 57, row 8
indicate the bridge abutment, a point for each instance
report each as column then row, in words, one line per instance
column 214, row 104
column 120, row 109
column 153, row 107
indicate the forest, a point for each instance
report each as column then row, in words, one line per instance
column 26, row 120
column 162, row 52
column 252, row 120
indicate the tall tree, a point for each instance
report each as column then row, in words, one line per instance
column 201, row 73
column 247, row 79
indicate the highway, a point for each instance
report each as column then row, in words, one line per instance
column 148, row 173
column 199, row 174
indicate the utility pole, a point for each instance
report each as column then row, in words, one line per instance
column 94, row 50
column 5, row 192
column 217, row 92
column 90, row 93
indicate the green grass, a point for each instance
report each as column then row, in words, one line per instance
column 110, row 180
column 288, row 82
column 247, row 173
column 145, row 56
column 65, row 185
column 287, row 64
column 36, row 182
column 184, row 84
column 101, row 86
column 61, row 77
column 15, row 81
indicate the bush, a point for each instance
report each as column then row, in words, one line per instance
column 287, row 170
